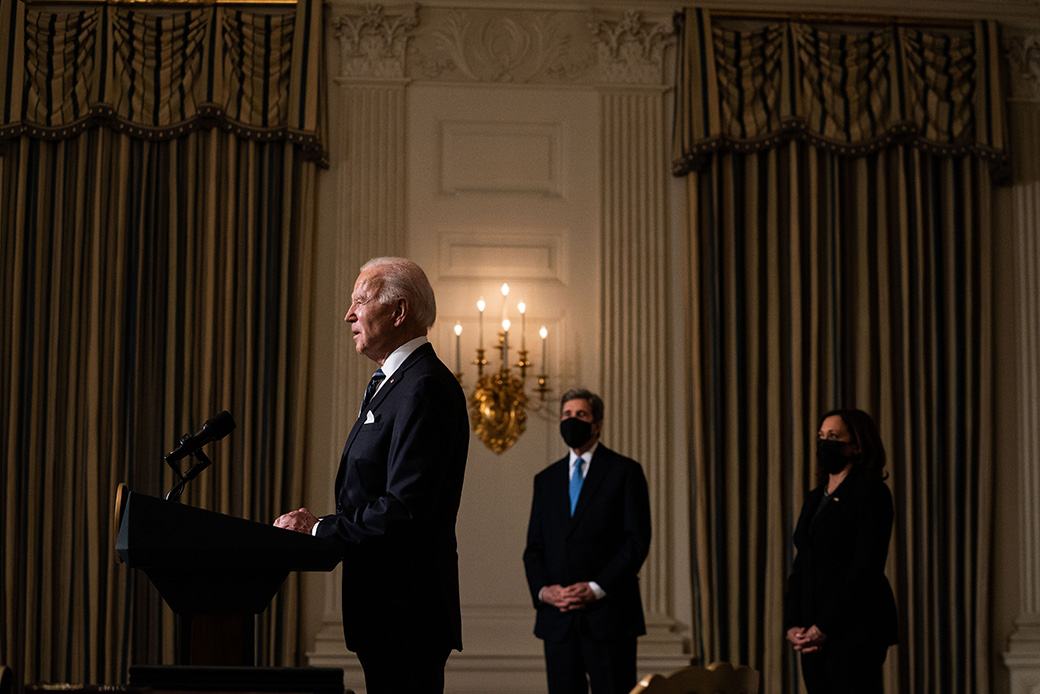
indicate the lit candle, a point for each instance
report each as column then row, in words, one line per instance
column 458, row 343
column 480, row 331
column 522, row 307
column 545, row 365
column 505, row 342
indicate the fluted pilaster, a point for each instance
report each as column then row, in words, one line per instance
column 635, row 263
column 1023, row 655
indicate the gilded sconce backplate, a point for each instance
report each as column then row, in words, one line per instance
column 498, row 410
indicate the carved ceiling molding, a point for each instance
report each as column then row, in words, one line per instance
column 1024, row 52
column 499, row 46
column 631, row 51
column 373, row 41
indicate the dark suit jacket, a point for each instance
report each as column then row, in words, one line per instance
column 606, row 541
column 397, row 499
column 838, row 580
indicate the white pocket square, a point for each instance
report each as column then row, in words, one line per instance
column 370, row 418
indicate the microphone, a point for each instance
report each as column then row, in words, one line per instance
column 216, row 427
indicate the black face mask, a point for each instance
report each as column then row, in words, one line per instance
column 575, row 432
column 831, row 455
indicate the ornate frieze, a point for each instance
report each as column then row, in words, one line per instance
column 519, row 47
column 373, row 42
column 631, row 51
column 443, row 44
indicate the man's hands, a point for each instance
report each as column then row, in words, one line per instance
column 577, row 596
column 806, row 640
column 300, row 520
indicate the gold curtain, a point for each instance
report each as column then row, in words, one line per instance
column 838, row 267
column 154, row 270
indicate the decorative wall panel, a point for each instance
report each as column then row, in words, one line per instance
column 502, row 256
column 516, row 157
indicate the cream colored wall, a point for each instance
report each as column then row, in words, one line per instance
column 538, row 223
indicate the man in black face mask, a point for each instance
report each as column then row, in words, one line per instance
column 588, row 535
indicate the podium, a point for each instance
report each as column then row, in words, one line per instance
column 215, row 571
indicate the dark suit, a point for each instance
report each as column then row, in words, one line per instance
column 838, row 583
column 606, row 541
column 397, row 499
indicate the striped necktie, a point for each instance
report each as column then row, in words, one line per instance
column 373, row 384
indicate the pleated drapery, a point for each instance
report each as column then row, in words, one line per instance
column 158, row 175
column 840, row 237
column 158, row 74
column 848, row 93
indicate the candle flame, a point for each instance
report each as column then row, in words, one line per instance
column 505, row 289
column 458, row 328
column 543, row 332
column 481, row 305
column 505, row 325
column 521, row 307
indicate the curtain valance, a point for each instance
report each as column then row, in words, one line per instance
column 156, row 74
column 853, row 93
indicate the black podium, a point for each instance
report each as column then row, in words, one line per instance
column 216, row 572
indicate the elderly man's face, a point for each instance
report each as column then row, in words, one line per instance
column 371, row 321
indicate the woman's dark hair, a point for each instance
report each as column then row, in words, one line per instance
column 864, row 431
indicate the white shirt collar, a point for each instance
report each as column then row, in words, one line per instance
column 586, row 458
column 397, row 357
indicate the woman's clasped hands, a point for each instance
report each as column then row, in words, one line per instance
column 806, row 640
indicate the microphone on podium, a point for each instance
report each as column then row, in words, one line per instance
column 216, row 427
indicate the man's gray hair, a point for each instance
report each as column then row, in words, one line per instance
column 595, row 401
column 403, row 278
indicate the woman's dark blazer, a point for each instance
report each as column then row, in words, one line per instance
column 838, row 581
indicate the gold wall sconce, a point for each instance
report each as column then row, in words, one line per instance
column 498, row 404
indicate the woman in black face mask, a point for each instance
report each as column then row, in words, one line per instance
column 839, row 610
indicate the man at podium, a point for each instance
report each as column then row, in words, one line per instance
column 398, row 489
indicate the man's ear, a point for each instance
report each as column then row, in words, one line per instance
column 400, row 312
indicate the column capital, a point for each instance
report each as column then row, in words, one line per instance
column 631, row 49
column 1024, row 54
column 373, row 40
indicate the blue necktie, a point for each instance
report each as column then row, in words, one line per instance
column 576, row 479
column 373, row 384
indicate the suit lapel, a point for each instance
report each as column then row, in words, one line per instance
column 396, row 377
column 559, row 498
